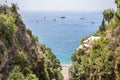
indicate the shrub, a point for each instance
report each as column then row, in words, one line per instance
column 16, row 74
column 20, row 58
column 29, row 32
column 35, row 39
column 118, row 13
column 31, row 76
column 7, row 29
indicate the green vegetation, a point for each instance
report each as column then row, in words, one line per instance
column 35, row 39
column 21, row 55
column 102, row 60
column 118, row 10
column 52, row 67
column 108, row 14
column 16, row 74
column 7, row 28
column 118, row 3
column 102, row 28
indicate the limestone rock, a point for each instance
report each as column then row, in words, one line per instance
column 88, row 42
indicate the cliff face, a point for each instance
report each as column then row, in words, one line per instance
column 21, row 55
column 100, row 61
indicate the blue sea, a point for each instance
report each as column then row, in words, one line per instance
column 62, row 35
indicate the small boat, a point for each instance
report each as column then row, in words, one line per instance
column 93, row 22
column 82, row 18
column 44, row 17
column 37, row 21
column 63, row 17
column 54, row 19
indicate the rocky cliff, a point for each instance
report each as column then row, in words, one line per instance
column 99, row 59
column 21, row 55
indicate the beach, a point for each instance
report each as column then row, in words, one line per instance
column 65, row 69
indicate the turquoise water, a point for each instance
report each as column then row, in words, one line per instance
column 62, row 35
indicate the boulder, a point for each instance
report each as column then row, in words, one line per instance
column 88, row 42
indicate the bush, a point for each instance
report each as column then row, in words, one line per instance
column 35, row 39
column 77, row 54
column 7, row 28
column 29, row 32
column 16, row 74
column 52, row 65
column 20, row 58
column 31, row 76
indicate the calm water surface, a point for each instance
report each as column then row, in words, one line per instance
column 62, row 35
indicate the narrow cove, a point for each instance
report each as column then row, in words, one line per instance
column 62, row 35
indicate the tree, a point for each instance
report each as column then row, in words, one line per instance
column 118, row 13
column 118, row 3
column 118, row 10
column 103, row 26
column 108, row 14
column 14, row 8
